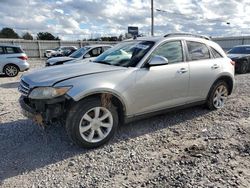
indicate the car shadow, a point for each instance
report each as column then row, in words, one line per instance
column 3, row 76
column 25, row 146
column 10, row 85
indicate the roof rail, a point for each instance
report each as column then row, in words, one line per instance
column 187, row 34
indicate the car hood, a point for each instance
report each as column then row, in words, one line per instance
column 54, row 60
column 237, row 56
column 53, row 75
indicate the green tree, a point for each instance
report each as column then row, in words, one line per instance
column 27, row 36
column 46, row 36
column 8, row 33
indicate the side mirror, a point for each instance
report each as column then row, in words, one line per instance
column 86, row 56
column 158, row 60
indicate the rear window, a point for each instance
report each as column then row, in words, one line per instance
column 13, row 50
column 197, row 51
column 215, row 53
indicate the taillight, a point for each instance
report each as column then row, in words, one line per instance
column 232, row 62
column 23, row 57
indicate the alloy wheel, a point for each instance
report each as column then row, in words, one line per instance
column 96, row 124
column 220, row 96
column 11, row 70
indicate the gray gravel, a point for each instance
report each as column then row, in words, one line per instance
column 188, row 148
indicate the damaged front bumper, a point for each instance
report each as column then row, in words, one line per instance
column 43, row 111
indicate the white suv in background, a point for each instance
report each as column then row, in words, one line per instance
column 12, row 60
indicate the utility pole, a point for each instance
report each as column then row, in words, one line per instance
column 152, row 17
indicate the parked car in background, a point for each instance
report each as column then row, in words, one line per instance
column 134, row 79
column 60, row 51
column 241, row 56
column 12, row 60
column 85, row 52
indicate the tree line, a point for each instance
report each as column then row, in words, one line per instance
column 10, row 33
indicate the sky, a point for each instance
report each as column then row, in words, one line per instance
column 79, row 19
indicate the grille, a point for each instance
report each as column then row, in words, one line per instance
column 24, row 88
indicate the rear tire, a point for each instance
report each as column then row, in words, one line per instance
column 217, row 95
column 243, row 67
column 11, row 70
column 89, row 124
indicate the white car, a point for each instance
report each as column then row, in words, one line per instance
column 60, row 51
column 85, row 52
column 12, row 60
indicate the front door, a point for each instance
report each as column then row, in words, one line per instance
column 162, row 86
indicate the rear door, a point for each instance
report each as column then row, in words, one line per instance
column 204, row 70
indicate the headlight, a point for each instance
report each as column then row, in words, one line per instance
column 48, row 92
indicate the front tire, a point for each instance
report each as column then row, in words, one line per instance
column 11, row 70
column 89, row 124
column 217, row 95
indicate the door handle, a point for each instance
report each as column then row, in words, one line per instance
column 215, row 66
column 182, row 70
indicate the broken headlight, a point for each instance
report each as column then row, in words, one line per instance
column 48, row 92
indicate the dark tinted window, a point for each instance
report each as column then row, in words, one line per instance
column 197, row 51
column 13, row 50
column 1, row 50
column 215, row 53
column 170, row 50
column 240, row 50
column 10, row 50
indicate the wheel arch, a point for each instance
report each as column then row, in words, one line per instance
column 229, row 80
column 116, row 100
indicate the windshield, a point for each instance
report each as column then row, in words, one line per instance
column 125, row 54
column 240, row 50
column 78, row 53
column 55, row 49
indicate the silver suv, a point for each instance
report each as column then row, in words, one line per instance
column 12, row 60
column 134, row 79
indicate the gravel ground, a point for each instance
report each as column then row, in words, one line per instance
column 188, row 148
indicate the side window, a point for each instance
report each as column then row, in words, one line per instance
column 197, row 51
column 1, row 50
column 95, row 52
column 247, row 50
column 170, row 50
column 10, row 50
column 215, row 53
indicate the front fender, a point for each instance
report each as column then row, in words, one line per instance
column 118, row 83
